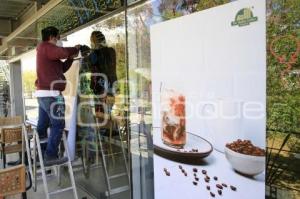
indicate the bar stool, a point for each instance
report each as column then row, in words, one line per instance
column 13, row 181
column 12, row 141
column 107, row 122
column 8, row 121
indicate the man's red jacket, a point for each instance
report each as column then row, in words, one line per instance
column 50, row 69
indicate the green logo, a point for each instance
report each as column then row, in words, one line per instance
column 244, row 17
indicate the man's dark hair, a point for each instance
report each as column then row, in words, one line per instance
column 48, row 32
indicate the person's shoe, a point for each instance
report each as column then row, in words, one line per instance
column 51, row 161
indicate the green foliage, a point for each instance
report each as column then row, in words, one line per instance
column 283, row 91
column 29, row 78
column 84, row 84
column 70, row 14
column 205, row 4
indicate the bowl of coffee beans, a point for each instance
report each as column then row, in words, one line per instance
column 245, row 157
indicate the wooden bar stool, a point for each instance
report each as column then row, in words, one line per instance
column 13, row 181
column 12, row 141
column 8, row 121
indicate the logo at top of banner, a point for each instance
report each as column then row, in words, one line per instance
column 244, row 17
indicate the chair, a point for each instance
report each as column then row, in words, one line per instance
column 7, row 121
column 111, row 123
column 12, row 141
column 12, row 122
column 106, row 121
column 13, row 181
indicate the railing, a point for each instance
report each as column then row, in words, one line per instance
column 281, row 164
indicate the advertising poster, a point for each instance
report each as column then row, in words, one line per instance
column 209, row 103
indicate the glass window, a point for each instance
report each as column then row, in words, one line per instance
column 28, row 64
column 90, row 130
column 70, row 14
column 140, row 18
column 131, row 41
column 283, row 98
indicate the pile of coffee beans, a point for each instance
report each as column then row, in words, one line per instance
column 219, row 186
column 245, row 147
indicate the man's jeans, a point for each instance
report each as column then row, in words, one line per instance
column 51, row 114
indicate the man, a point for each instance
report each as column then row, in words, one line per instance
column 49, row 84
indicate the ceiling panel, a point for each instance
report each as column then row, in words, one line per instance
column 14, row 8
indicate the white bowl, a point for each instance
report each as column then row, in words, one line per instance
column 245, row 164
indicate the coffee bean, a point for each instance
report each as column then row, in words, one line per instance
column 165, row 169
column 206, row 180
column 182, row 170
column 185, row 174
column 219, row 186
column 195, row 170
column 215, row 178
column 208, row 177
column 220, row 192
column 195, row 183
column 195, row 174
column 168, row 173
column 233, row 188
column 197, row 179
column 204, row 172
column 180, row 167
column 208, row 187
column 212, row 194
column 224, row 185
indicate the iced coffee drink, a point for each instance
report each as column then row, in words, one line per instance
column 173, row 118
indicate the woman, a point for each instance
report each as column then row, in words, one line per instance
column 103, row 68
column 101, row 63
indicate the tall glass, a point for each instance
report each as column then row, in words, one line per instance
column 173, row 118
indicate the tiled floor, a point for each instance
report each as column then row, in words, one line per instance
column 90, row 187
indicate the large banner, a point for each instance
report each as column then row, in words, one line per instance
column 209, row 101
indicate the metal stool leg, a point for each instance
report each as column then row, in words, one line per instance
column 104, row 166
column 24, row 195
column 34, row 172
column 4, row 159
column 28, row 151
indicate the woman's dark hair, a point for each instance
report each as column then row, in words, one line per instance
column 99, row 36
column 48, row 32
